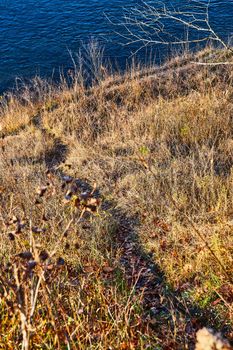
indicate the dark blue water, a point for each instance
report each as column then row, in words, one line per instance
column 36, row 35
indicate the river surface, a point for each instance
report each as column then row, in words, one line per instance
column 37, row 36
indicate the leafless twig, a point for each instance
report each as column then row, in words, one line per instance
column 157, row 24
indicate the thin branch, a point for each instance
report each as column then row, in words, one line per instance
column 146, row 24
column 213, row 63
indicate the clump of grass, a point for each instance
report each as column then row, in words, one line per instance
column 67, row 289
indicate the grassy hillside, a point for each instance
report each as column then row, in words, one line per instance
column 116, row 209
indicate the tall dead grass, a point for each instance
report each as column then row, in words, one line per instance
column 159, row 146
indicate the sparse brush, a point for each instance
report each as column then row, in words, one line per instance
column 142, row 259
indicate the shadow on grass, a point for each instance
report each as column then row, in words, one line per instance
column 51, row 158
column 172, row 318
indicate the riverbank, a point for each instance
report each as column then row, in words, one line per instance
column 116, row 208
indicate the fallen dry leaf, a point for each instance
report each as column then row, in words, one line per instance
column 108, row 269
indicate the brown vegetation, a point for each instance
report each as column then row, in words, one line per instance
column 116, row 210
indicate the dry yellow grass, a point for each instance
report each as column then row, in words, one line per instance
column 160, row 149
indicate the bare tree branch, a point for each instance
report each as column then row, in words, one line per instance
column 157, row 24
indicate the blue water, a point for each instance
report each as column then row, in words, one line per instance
column 36, row 35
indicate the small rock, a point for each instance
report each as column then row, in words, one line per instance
column 208, row 340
